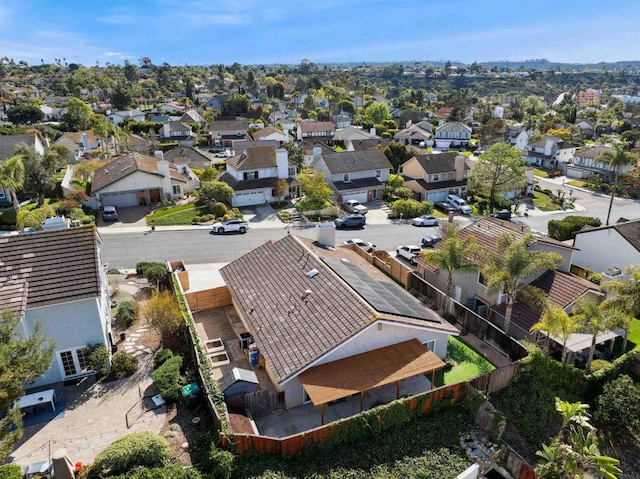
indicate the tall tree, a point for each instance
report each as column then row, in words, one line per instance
column 626, row 300
column 616, row 160
column 596, row 318
column 376, row 113
column 315, row 189
column 511, row 264
column 163, row 312
column 295, row 154
column 557, row 323
column 12, row 178
column 499, row 170
column 121, row 97
column 130, row 72
column 456, row 253
column 39, row 170
column 22, row 358
column 77, row 116
column 25, row 114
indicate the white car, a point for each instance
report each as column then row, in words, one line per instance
column 408, row 252
column 425, row 220
column 231, row 225
column 366, row 245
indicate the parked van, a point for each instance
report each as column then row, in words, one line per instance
column 459, row 204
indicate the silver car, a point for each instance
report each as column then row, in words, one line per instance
column 231, row 225
column 425, row 220
column 368, row 246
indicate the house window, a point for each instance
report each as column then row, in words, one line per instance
column 374, row 194
column 378, row 174
column 250, row 175
column 68, row 365
column 346, row 178
column 430, row 345
column 83, row 359
column 481, row 279
column 177, row 190
column 74, row 361
column 305, row 397
column 292, row 171
column 436, row 177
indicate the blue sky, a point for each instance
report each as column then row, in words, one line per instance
column 252, row 32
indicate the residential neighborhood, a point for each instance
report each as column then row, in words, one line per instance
column 179, row 271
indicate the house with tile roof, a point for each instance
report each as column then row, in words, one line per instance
column 415, row 134
column 518, row 137
column 452, row 134
column 225, row 132
column 320, row 130
column 117, row 117
column 176, row 131
column 191, row 116
column 606, row 247
column 136, row 179
column 434, row 176
column 193, row 157
column 254, row 172
column 585, row 163
column 317, row 319
column 550, row 152
column 355, row 175
column 272, row 133
column 57, row 279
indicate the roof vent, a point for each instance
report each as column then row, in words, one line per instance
column 314, row 272
column 306, row 294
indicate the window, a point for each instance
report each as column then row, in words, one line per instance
column 74, row 362
column 430, row 345
column 292, row 171
column 68, row 366
column 346, row 178
column 481, row 279
column 83, row 359
column 436, row 177
column 177, row 190
column 378, row 174
column 374, row 194
column 250, row 175
column 305, row 397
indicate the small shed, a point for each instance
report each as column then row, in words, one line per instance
column 238, row 382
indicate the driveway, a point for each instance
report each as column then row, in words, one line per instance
column 131, row 216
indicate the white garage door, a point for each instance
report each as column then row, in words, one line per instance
column 361, row 196
column 119, row 200
column 248, row 198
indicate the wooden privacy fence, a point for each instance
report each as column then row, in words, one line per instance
column 495, row 380
column 394, row 268
column 208, row 299
column 262, row 403
column 288, row 446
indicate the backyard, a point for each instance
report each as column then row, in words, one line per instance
column 463, row 363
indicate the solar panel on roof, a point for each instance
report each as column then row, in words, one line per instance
column 384, row 297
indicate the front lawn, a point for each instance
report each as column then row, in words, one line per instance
column 577, row 183
column 177, row 215
column 544, row 202
column 540, row 173
column 463, row 363
column 633, row 340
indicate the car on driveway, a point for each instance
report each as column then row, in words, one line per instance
column 354, row 206
column 231, row 225
column 368, row 246
column 444, row 207
column 110, row 213
column 502, row 215
column 430, row 241
column 408, row 252
column 350, row 221
column 425, row 220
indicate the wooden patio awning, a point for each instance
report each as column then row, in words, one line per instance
column 373, row 369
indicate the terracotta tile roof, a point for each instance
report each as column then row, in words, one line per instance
column 316, row 126
column 253, row 158
column 354, row 161
column 268, row 286
column 48, row 267
column 561, row 289
column 126, row 165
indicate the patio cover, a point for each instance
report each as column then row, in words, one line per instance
column 580, row 341
column 373, row 369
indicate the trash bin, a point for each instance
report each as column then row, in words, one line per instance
column 190, row 394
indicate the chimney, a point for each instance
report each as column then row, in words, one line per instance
column 282, row 163
column 372, row 132
column 158, row 154
column 548, row 146
column 326, row 234
column 458, row 166
column 408, row 124
column 85, row 141
column 317, row 151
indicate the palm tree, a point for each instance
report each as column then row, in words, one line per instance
column 12, row 178
column 512, row 263
column 456, row 253
column 616, row 160
column 596, row 318
column 626, row 300
column 556, row 322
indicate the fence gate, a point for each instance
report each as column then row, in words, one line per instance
column 262, row 403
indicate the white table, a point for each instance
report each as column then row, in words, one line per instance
column 41, row 397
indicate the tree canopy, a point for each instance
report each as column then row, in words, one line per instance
column 214, row 191
column 77, row 116
column 24, row 114
column 315, row 189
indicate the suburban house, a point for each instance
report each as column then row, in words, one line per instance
column 191, row 116
column 253, row 174
column 79, row 143
column 416, row 134
column 225, row 132
column 52, row 113
column 622, row 248
column 346, row 137
column 550, row 152
column 317, row 130
column 586, row 127
column 319, row 321
column 444, row 112
column 589, row 97
column 57, row 278
column 342, row 119
column 585, row 163
column 217, row 102
column 135, row 143
column 117, row 117
column 176, row 131
column 272, row 133
column 453, row 134
column 192, row 157
column 313, row 149
column 432, row 177
column 355, row 175
column 136, row 179
column 518, row 138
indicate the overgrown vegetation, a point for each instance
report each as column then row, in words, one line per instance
column 167, row 378
column 566, row 228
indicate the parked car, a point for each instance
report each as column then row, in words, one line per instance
column 502, row 215
column 408, row 252
column 110, row 213
column 354, row 206
column 430, row 241
column 459, row 204
column 350, row 221
column 222, row 154
column 231, row 225
column 425, row 220
column 366, row 245
column 444, row 207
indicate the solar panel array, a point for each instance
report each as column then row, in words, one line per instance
column 384, row 297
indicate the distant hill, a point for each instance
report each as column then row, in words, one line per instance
column 536, row 64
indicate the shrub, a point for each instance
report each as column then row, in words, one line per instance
column 140, row 449
column 99, row 358
column 619, row 403
column 127, row 311
column 123, row 366
column 87, row 220
column 166, row 379
column 10, row 471
column 162, row 356
column 155, row 273
column 408, row 208
column 219, row 209
column 173, row 471
column 219, row 463
column 113, row 271
column 142, row 266
column 566, row 228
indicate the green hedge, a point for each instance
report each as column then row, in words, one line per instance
column 10, row 471
column 162, row 357
column 174, row 471
column 166, row 378
column 565, row 228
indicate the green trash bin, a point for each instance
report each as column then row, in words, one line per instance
column 190, row 394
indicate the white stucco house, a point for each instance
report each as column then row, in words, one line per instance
column 117, row 117
column 317, row 318
column 135, row 179
column 518, row 138
column 272, row 133
column 453, row 134
column 550, row 152
column 57, row 278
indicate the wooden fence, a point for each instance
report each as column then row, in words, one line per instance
column 208, row 299
column 496, row 380
column 262, row 403
column 394, row 268
column 291, row 445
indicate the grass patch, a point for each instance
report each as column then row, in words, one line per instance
column 577, row 183
column 633, row 340
column 540, row 173
column 177, row 215
column 438, row 214
column 465, row 363
column 543, row 202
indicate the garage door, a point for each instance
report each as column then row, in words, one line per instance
column 248, row 198
column 119, row 200
column 361, row 196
